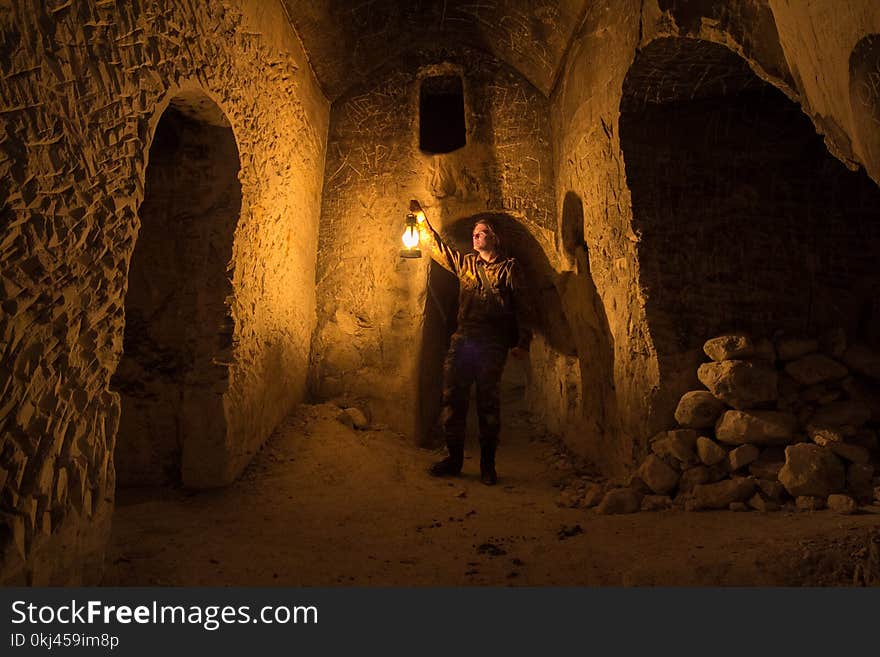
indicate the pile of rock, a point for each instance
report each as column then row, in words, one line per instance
column 784, row 423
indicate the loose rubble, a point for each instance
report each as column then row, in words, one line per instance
column 789, row 423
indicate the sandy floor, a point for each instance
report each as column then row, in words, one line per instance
column 324, row 504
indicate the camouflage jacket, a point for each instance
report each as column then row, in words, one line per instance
column 490, row 299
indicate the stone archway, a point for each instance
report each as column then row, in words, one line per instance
column 745, row 221
column 178, row 328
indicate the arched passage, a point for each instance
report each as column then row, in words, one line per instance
column 541, row 296
column 178, row 327
column 864, row 95
column 745, row 220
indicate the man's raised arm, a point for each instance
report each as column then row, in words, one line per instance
column 448, row 257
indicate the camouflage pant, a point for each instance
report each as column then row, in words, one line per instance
column 472, row 361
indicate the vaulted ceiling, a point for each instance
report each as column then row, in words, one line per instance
column 348, row 39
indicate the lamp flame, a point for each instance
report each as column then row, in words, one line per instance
column 411, row 238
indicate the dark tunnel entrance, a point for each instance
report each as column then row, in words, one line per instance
column 178, row 328
column 547, row 318
column 746, row 221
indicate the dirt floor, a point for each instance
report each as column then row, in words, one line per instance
column 323, row 504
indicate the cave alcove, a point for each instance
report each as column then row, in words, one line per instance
column 746, row 221
column 178, row 328
column 545, row 317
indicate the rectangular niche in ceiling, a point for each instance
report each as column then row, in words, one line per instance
column 441, row 114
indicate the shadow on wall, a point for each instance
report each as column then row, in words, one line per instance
column 584, row 312
column 746, row 221
column 178, row 328
column 541, row 296
column 864, row 98
column 441, row 308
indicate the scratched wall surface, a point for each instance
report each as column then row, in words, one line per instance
column 349, row 41
column 371, row 303
column 83, row 86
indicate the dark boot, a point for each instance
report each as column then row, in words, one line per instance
column 451, row 465
column 487, row 464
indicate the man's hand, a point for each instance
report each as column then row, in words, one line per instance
column 416, row 208
column 519, row 353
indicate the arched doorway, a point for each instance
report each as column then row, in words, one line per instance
column 541, row 295
column 178, row 327
column 746, row 222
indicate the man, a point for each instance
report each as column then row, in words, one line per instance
column 488, row 326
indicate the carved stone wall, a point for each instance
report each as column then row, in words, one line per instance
column 83, row 86
column 350, row 40
column 591, row 174
column 864, row 98
column 625, row 392
column 372, row 304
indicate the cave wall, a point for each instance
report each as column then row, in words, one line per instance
column 864, row 98
column 590, row 168
column 83, row 88
column 803, row 49
column 529, row 36
column 746, row 221
column 819, row 40
column 372, row 304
